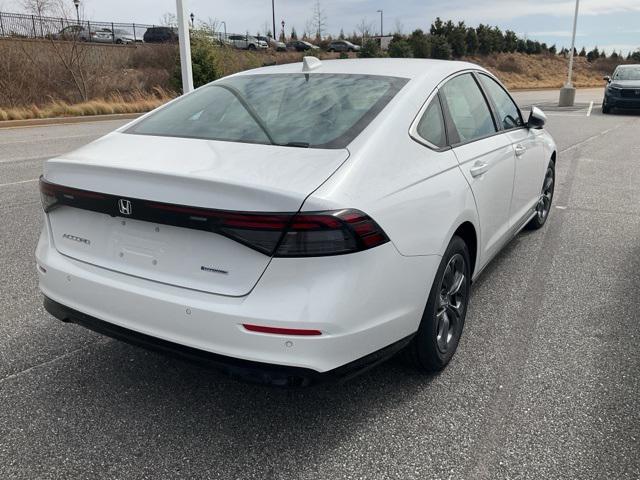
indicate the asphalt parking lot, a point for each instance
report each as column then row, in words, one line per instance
column 545, row 384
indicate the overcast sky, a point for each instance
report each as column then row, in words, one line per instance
column 609, row 24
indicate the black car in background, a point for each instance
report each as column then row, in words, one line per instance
column 623, row 89
column 343, row 46
column 161, row 35
column 301, row 46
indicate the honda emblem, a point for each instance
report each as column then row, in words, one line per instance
column 125, row 207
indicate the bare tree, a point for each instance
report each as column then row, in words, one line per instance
column 209, row 26
column 168, row 19
column 39, row 8
column 365, row 28
column 318, row 21
column 399, row 29
column 266, row 29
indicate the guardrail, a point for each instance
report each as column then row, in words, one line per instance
column 33, row 26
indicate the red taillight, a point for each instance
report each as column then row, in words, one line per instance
column 330, row 233
column 52, row 194
column 281, row 331
column 308, row 234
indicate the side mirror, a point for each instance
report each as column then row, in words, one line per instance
column 537, row 118
column 607, row 78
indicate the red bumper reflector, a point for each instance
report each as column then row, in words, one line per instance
column 281, row 331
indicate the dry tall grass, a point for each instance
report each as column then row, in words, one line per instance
column 136, row 102
column 522, row 71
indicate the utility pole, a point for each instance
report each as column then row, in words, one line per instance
column 568, row 92
column 273, row 17
column 185, row 47
column 381, row 29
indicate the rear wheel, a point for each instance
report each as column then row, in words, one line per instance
column 546, row 198
column 443, row 319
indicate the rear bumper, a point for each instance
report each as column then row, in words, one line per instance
column 361, row 303
column 254, row 372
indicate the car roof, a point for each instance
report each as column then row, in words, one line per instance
column 395, row 67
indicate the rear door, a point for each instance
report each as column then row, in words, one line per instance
column 486, row 158
column 529, row 152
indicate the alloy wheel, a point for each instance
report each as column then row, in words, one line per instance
column 452, row 302
column 544, row 204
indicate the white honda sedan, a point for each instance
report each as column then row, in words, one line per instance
column 297, row 222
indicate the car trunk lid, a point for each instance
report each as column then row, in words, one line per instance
column 158, row 198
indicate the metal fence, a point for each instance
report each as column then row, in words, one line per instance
column 33, row 26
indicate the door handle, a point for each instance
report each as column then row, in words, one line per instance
column 478, row 169
column 520, row 150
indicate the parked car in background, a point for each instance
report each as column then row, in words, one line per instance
column 343, row 46
column 623, row 89
column 161, row 35
column 84, row 34
column 273, row 43
column 264, row 224
column 125, row 37
column 246, row 42
column 301, row 46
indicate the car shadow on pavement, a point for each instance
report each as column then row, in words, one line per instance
column 138, row 407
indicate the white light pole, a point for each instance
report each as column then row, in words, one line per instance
column 568, row 92
column 185, row 47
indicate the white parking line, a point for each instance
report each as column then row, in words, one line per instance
column 18, row 183
column 590, row 108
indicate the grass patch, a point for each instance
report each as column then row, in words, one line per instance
column 136, row 102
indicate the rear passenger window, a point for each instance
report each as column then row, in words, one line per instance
column 431, row 126
column 468, row 108
column 508, row 113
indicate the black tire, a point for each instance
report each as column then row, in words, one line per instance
column 543, row 209
column 331, row 50
column 606, row 109
column 251, row 47
column 426, row 350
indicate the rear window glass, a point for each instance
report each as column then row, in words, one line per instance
column 303, row 110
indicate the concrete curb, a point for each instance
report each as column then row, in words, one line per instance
column 36, row 122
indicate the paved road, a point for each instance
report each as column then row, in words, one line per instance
column 545, row 383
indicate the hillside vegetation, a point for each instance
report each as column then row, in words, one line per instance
column 43, row 78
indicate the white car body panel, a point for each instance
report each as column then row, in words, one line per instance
column 492, row 190
column 361, row 302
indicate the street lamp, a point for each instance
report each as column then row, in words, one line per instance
column 568, row 92
column 381, row 29
column 193, row 18
column 77, row 4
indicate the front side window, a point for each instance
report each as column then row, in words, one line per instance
column 468, row 108
column 303, row 110
column 431, row 125
column 508, row 112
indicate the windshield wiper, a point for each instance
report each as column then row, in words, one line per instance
column 295, row 144
column 249, row 109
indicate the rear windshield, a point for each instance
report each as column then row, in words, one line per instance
column 301, row 110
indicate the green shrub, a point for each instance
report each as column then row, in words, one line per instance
column 370, row 49
column 203, row 61
column 399, row 48
column 420, row 44
column 440, row 48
